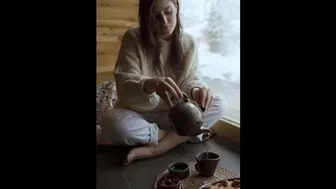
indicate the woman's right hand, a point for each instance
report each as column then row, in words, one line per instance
column 165, row 87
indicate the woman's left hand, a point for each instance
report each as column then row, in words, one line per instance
column 203, row 97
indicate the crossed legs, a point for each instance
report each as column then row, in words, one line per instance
column 126, row 127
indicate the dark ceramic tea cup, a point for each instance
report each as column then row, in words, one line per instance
column 179, row 169
column 206, row 163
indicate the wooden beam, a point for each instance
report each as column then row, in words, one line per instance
column 112, row 13
column 110, row 31
column 117, row 3
column 108, row 47
column 106, row 60
column 118, row 23
column 103, row 77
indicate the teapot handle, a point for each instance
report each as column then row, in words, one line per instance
column 185, row 99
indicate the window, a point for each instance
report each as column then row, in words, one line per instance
column 215, row 24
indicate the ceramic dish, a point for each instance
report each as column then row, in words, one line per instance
column 169, row 182
column 232, row 183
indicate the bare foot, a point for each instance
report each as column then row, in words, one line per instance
column 139, row 153
column 143, row 152
column 168, row 142
column 129, row 158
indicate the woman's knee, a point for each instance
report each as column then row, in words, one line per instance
column 113, row 125
column 220, row 106
column 218, row 110
column 125, row 127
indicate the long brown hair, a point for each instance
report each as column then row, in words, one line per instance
column 151, row 41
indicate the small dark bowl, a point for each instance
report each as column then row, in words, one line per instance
column 165, row 182
column 179, row 169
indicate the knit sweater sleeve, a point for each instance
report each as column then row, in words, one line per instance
column 129, row 81
column 191, row 60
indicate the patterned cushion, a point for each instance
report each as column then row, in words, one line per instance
column 105, row 98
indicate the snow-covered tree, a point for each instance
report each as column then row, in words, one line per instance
column 215, row 22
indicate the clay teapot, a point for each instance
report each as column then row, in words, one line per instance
column 186, row 118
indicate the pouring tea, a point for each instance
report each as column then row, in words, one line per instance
column 186, row 118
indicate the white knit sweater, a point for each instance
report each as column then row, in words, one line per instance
column 132, row 68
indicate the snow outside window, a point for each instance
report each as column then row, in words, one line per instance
column 215, row 24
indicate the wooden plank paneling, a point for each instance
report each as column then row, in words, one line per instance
column 114, row 18
column 105, row 69
column 110, row 31
column 102, row 77
column 117, row 3
column 117, row 23
column 108, row 48
column 108, row 60
column 109, row 39
column 110, row 13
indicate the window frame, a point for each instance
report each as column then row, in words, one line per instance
column 228, row 130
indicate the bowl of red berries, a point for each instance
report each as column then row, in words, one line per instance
column 169, row 182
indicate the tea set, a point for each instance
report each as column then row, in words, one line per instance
column 186, row 119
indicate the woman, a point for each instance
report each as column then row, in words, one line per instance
column 156, row 61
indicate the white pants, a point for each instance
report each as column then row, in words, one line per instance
column 126, row 127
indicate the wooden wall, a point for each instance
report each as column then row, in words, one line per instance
column 114, row 17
